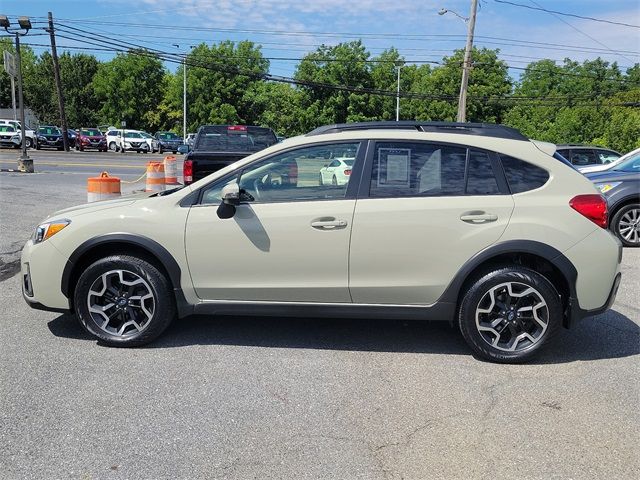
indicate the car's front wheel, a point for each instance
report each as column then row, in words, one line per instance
column 113, row 146
column 508, row 314
column 124, row 301
column 28, row 142
column 626, row 225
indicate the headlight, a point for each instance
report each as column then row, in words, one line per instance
column 48, row 229
column 605, row 187
column 42, row 139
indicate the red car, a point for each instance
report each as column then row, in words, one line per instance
column 90, row 138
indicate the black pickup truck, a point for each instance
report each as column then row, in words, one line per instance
column 217, row 146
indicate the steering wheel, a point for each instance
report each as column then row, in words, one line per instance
column 257, row 188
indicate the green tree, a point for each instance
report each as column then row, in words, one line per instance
column 218, row 77
column 28, row 67
column 76, row 75
column 129, row 88
column 345, row 64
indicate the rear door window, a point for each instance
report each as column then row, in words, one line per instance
column 480, row 177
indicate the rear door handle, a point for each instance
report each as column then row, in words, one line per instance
column 478, row 217
column 328, row 223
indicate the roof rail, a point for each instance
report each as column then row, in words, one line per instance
column 484, row 129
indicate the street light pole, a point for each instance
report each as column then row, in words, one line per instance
column 462, row 101
column 25, row 164
column 399, row 66
column 184, row 99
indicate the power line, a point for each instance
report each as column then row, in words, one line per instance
column 415, row 37
column 180, row 59
column 132, row 45
column 542, row 9
column 585, row 34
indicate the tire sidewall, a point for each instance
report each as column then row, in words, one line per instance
column 615, row 223
column 488, row 280
column 164, row 311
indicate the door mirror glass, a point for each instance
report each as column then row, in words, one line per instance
column 183, row 149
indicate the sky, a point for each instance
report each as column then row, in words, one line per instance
column 291, row 28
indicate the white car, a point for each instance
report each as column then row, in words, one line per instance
column 150, row 140
column 485, row 230
column 133, row 140
column 29, row 134
column 337, row 172
column 604, row 167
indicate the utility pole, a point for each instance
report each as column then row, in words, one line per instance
column 13, row 98
column 56, row 71
column 466, row 66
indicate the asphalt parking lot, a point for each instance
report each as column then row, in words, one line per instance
column 223, row 397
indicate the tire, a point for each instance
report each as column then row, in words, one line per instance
column 174, row 152
column 113, row 146
column 28, row 142
column 625, row 225
column 334, row 181
column 37, row 146
column 102, row 284
column 320, row 181
column 491, row 295
column 160, row 150
column 60, row 149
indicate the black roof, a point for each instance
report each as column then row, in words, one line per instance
column 483, row 129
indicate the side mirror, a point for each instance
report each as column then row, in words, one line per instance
column 184, row 149
column 230, row 199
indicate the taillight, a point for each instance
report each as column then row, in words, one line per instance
column 187, row 172
column 592, row 206
column 347, row 172
column 237, row 128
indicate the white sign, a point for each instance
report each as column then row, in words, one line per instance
column 9, row 63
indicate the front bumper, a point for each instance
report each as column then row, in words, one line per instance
column 41, row 268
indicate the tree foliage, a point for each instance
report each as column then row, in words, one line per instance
column 587, row 102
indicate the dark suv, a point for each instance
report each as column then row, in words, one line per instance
column 587, row 155
column 49, row 137
column 166, row 142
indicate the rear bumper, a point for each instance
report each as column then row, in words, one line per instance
column 575, row 313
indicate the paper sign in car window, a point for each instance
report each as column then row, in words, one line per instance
column 393, row 167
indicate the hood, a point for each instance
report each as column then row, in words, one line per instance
column 94, row 138
column 102, row 205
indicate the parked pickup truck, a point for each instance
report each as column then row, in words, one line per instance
column 217, row 146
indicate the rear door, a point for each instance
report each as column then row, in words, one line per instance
column 424, row 209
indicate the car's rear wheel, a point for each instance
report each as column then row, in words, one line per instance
column 508, row 314
column 626, row 225
column 124, row 301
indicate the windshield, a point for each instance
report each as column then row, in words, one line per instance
column 133, row 135
column 239, row 138
column 91, row 132
column 7, row 128
column 168, row 136
column 146, row 135
column 49, row 131
column 631, row 165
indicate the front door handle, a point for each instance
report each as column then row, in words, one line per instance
column 328, row 223
column 478, row 216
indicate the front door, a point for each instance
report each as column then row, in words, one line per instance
column 288, row 240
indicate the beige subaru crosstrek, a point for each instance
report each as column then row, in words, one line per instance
column 473, row 224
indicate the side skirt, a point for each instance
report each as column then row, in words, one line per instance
column 437, row 311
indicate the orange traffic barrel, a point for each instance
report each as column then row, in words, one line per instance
column 170, row 170
column 103, row 187
column 155, row 177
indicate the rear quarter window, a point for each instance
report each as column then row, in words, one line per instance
column 523, row 176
